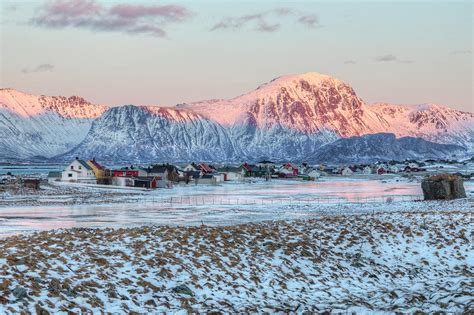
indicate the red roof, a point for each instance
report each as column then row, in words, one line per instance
column 205, row 168
column 247, row 167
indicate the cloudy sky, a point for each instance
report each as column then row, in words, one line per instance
column 157, row 52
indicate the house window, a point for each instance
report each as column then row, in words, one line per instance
column 69, row 175
column 80, row 167
column 72, row 167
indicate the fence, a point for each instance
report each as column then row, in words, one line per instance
column 236, row 201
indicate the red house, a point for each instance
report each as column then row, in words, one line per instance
column 293, row 169
column 129, row 172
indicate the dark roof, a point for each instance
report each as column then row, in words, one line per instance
column 161, row 168
column 143, row 179
column 83, row 163
column 228, row 169
column 54, row 174
column 194, row 174
column 207, row 176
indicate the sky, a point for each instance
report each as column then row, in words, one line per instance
column 153, row 52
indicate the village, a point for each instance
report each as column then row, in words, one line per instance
column 166, row 175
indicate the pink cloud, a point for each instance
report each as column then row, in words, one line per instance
column 261, row 23
column 72, row 8
column 171, row 12
column 309, row 20
column 126, row 18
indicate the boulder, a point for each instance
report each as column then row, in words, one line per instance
column 183, row 289
column 19, row 292
column 443, row 187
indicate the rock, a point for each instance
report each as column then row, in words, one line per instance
column 183, row 289
column 112, row 293
column 54, row 286
column 40, row 310
column 444, row 187
column 19, row 292
column 3, row 300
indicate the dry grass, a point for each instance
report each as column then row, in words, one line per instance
column 396, row 262
column 443, row 177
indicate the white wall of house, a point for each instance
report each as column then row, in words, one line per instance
column 347, row 171
column 234, row 175
column 219, row 177
column 367, row 170
column 314, row 174
column 76, row 172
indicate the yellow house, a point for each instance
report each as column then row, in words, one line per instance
column 99, row 170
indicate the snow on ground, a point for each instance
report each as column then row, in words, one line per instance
column 387, row 262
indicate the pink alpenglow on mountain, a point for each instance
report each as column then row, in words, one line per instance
column 289, row 118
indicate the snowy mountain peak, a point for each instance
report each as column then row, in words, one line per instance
column 309, row 103
column 29, row 105
column 312, row 78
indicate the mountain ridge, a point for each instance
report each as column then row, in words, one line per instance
column 290, row 117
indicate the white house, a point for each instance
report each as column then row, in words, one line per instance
column 314, row 174
column 367, row 170
column 231, row 173
column 191, row 168
column 347, row 171
column 220, row 177
column 78, row 171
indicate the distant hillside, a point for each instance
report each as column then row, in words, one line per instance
column 383, row 146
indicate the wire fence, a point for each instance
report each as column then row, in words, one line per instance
column 238, row 201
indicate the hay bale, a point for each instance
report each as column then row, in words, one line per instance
column 443, row 187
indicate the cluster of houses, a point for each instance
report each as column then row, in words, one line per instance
column 165, row 175
column 378, row 168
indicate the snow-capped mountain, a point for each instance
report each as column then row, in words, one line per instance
column 383, row 146
column 312, row 103
column 308, row 103
column 141, row 134
column 32, row 125
column 432, row 122
column 290, row 118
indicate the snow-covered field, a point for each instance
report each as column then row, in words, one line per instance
column 339, row 244
column 390, row 262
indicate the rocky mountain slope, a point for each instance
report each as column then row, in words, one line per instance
column 140, row 134
column 432, row 122
column 38, row 125
column 312, row 102
column 383, row 146
column 308, row 103
column 289, row 118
